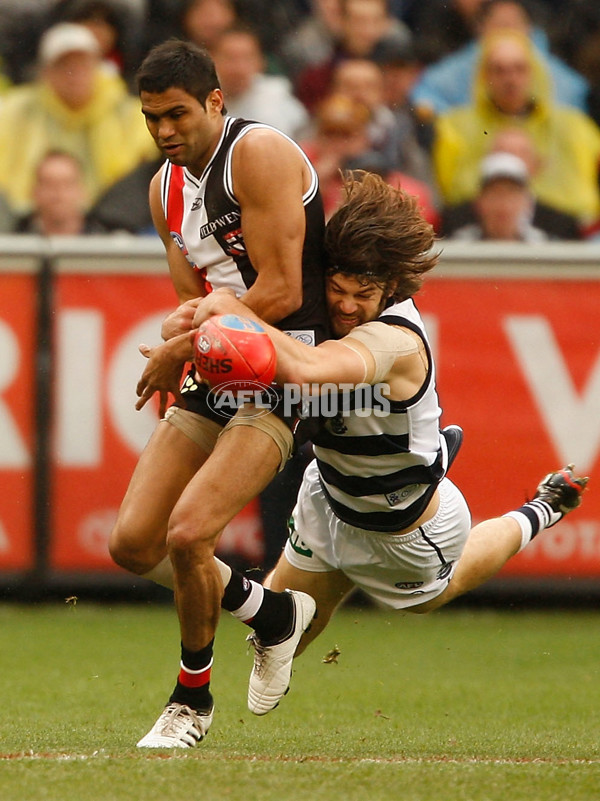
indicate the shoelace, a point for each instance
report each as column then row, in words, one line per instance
column 177, row 721
column 259, row 652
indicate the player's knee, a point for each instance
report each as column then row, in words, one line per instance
column 185, row 538
column 130, row 551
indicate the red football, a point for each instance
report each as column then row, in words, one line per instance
column 229, row 348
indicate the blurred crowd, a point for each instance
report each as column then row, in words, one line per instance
column 487, row 110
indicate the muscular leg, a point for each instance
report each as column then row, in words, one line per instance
column 489, row 546
column 328, row 590
column 244, row 460
column 167, row 464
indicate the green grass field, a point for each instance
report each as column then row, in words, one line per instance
column 459, row 706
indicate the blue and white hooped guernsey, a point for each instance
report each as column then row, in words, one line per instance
column 380, row 472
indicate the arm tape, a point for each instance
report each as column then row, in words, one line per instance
column 386, row 343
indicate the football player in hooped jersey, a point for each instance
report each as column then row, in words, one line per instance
column 237, row 205
column 376, row 510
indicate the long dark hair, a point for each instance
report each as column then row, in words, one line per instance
column 380, row 235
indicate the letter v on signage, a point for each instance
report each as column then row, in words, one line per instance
column 572, row 419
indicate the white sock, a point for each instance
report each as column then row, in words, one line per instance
column 162, row 574
column 533, row 517
column 251, row 605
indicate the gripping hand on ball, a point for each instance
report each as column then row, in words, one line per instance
column 181, row 320
column 162, row 373
column 221, row 301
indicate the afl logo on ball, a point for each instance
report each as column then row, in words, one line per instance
column 203, row 344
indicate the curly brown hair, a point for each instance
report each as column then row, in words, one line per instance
column 379, row 235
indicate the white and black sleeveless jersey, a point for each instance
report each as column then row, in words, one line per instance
column 380, row 472
column 204, row 218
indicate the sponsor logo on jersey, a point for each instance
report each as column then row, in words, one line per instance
column 304, row 335
column 225, row 220
column 197, row 204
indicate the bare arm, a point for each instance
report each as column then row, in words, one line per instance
column 270, row 177
column 343, row 361
column 330, row 362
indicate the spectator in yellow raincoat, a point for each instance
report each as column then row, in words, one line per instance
column 74, row 106
column 512, row 89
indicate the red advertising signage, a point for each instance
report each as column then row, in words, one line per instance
column 519, row 370
column 17, row 440
column 98, row 435
column 518, row 367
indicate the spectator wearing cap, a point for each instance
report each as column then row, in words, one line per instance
column 74, row 106
column 512, row 91
column 504, row 204
column 557, row 224
column 116, row 24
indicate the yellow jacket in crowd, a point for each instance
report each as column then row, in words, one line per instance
column 108, row 135
column 567, row 143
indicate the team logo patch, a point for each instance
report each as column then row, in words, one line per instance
column 178, row 239
column 234, row 241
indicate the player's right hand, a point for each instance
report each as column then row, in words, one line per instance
column 181, row 320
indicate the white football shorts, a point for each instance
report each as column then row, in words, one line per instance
column 395, row 570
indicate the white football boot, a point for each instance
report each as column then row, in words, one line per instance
column 270, row 677
column 178, row 726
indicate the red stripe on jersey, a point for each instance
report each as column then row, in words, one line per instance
column 174, row 213
column 174, row 210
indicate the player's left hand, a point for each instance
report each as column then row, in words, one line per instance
column 161, row 375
